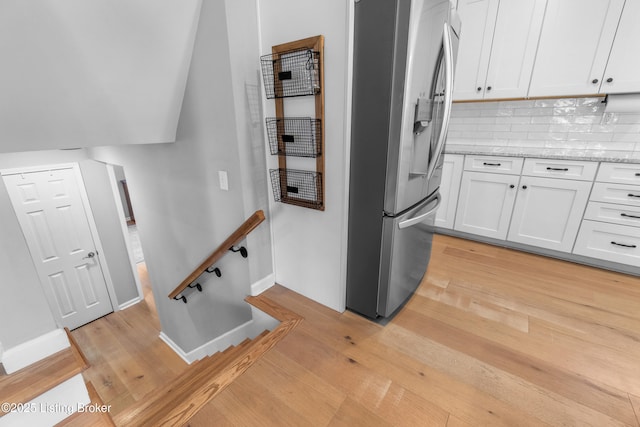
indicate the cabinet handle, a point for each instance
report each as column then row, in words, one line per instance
column 637, row 173
column 524, row 187
column 558, row 169
column 492, row 164
column 632, row 195
column 623, row 245
column 488, row 87
column 479, row 89
column 629, row 216
column 594, row 81
column 609, row 80
column 512, row 186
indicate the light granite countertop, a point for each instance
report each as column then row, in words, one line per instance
column 546, row 153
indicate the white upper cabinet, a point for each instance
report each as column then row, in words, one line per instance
column 497, row 47
column 623, row 68
column 574, row 46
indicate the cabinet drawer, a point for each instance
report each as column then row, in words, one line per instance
column 582, row 171
column 622, row 173
column 493, row 164
column 611, row 242
column 609, row 212
column 616, row 193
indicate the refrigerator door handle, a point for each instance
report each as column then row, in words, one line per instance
column 448, row 97
column 416, row 219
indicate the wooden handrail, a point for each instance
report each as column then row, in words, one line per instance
column 241, row 232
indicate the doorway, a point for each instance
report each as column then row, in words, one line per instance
column 53, row 210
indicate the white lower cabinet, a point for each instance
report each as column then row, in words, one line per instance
column 485, row 203
column 611, row 242
column 449, row 186
column 548, row 212
column 610, row 230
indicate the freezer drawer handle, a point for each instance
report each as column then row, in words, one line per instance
column 558, row 169
column 629, row 216
column 633, row 195
column 623, row 245
column 492, row 164
column 411, row 221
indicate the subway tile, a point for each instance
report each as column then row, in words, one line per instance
column 627, row 128
column 574, row 145
column 525, row 143
column 516, row 135
column 625, row 137
column 516, row 104
column 618, row 146
column 578, row 127
column 584, row 102
column 563, row 111
column 603, row 128
column 587, row 119
column 530, row 128
column 586, row 136
column 588, row 110
column 462, row 127
column 626, row 118
column 563, row 102
column 495, row 127
column 552, row 119
column 513, row 120
column 556, row 136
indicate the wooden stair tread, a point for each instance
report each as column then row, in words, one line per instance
column 33, row 380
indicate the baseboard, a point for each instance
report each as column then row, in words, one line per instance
column 233, row 337
column 36, row 349
column 262, row 285
column 129, row 303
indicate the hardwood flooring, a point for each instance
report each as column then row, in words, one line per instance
column 492, row 337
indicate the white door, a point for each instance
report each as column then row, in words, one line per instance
column 478, row 21
column 623, row 69
column 513, row 51
column 50, row 210
column 548, row 212
column 485, row 203
column 574, row 45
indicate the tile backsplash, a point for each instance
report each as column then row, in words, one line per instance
column 566, row 123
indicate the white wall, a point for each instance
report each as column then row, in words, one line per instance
column 309, row 245
column 88, row 73
column 181, row 213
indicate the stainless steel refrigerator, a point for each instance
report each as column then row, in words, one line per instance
column 404, row 55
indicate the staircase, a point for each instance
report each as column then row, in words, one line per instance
column 46, row 391
column 173, row 404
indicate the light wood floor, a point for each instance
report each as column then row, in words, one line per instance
column 492, row 337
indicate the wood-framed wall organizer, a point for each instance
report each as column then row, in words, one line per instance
column 291, row 70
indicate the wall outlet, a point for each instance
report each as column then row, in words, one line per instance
column 224, row 181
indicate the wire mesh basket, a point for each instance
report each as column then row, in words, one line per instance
column 297, row 187
column 295, row 136
column 292, row 73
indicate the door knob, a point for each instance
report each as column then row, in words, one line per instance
column 89, row 255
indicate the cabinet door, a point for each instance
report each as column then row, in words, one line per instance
column 548, row 212
column 485, row 203
column 623, row 68
column 449, row 186
column 513, row 51
column 574, row 45
column 479, row 18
